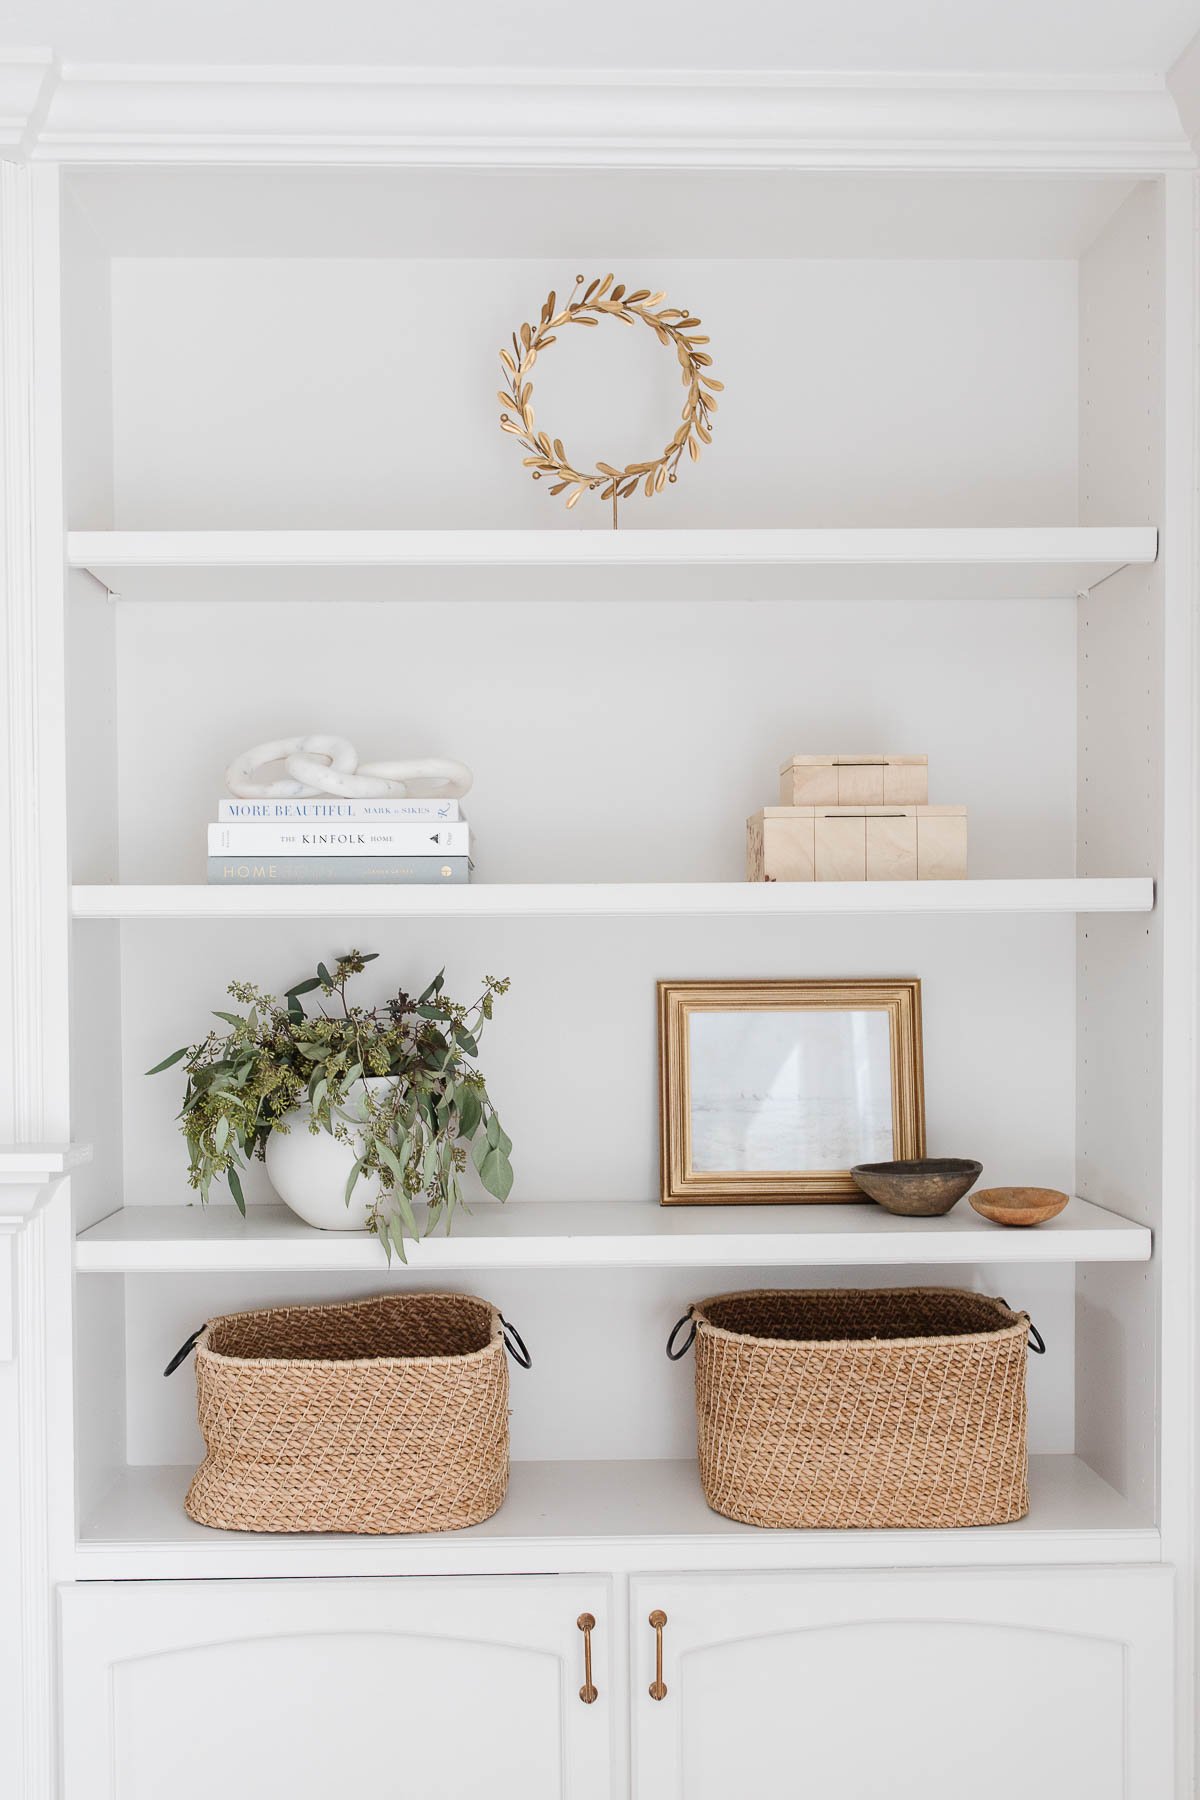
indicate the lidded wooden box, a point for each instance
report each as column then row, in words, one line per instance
column 857, row 843
column 870, row 779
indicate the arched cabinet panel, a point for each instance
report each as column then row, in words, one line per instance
column 917, row 1687
column 434, row 1690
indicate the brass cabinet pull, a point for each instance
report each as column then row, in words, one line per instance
column 658, row 1687
column 588, row 1692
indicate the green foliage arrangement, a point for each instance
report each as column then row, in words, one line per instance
column 411, row 1132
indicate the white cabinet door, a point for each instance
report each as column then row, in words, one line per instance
column 1037, row 1684
column 418, row 1689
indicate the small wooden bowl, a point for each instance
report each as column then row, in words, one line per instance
column 1019, row 1206
column 921, row 1189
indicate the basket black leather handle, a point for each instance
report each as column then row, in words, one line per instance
column 676, row 1354
column 183, row 1351
column 515, row 1344
column 1037, row 1342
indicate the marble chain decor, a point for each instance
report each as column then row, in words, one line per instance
column 675, row 329
column 322, row 764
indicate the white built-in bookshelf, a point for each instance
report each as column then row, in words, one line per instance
column 956, row 518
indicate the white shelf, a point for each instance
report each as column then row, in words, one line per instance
column 632, row 899
column 997, row 561
column 598, row 1235
column 604, row 1516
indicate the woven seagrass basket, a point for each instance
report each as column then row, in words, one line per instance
column 383, row 1415
column 890, row 1407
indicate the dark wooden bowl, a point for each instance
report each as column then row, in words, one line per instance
column 922, row 1189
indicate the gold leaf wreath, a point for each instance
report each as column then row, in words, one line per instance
column 672, row 326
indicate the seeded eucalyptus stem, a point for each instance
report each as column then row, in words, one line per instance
column 411, row 1132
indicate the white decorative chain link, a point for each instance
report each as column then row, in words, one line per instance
column 321, row 764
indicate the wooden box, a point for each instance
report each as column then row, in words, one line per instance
column 857, row 843
column 941, row 843
column 872, row 779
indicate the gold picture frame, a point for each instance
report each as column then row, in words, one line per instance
column 711, row 1040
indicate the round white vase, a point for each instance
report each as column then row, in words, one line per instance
column 309, row 1170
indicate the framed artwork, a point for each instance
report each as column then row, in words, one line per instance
column 773, row 1090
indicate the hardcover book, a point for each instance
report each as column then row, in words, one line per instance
column 282, row 871
column 338, row 837
column 442, row 812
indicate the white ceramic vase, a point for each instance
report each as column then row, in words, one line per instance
column 309, row 1170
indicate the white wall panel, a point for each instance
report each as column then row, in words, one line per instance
column 362, row 393
column 93, row 801
column 614, row 740
column 601, row 1385
column 656, row 213
column 1119, row 1101
column 571, row 1056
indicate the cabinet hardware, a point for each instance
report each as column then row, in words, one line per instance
column 658, row 1687
column 587, row 1624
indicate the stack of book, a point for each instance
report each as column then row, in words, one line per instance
column 278, row 842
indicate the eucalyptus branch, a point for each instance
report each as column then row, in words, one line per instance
column 275, row 1060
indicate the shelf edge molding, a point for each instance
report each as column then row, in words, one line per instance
column 653, row 899
column 599, row 1235
column 959, row 560
column 801, row 544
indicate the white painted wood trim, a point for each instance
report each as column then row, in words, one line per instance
column 33, row 986
column 32, row 1618
column 20, row 1053
column 29, row 1175
column 595, row 118
column 1180, row 1340
column 1089, row 554
column 607, row 1517
column 1183, row 83
column 599, row 1235
column 40, row 1162
column 633, row 899
column 26, row 77
column 26, row 1754
column 1110, row 547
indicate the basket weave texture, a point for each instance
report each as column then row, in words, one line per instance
column 383, row 1415
column 890, row 1407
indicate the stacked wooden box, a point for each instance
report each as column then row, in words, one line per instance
column 856, row 818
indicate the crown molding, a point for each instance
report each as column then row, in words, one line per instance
column 25, row 84
column 1183, row 83
column 604, row 118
